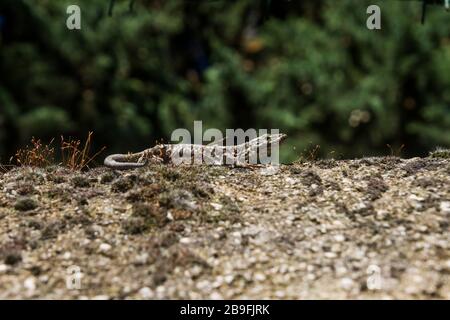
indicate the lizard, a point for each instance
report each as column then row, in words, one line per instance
column 236, row 155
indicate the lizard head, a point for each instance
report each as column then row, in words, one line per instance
column 278, row 138
column 269, row 139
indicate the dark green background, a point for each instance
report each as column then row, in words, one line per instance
column 310, row 68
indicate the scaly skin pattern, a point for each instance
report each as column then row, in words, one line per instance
column 238, row 155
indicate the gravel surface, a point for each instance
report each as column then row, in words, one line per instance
column 367, row 228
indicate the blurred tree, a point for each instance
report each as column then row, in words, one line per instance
column 311, row 69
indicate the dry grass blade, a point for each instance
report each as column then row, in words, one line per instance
column 76, row 157
column 309, row 154
column 3, row 168
column 6, row 167
column 396, row 153
column 35, row 155
column 313, row 153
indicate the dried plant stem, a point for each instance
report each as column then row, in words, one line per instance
column 75, row 158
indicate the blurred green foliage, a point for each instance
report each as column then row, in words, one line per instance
column 310, row 68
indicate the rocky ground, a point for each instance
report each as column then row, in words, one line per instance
column 368, row 228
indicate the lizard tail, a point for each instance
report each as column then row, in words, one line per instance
column 118, row 161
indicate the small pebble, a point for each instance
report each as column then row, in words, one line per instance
column 104, row 247
column 146, row 293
